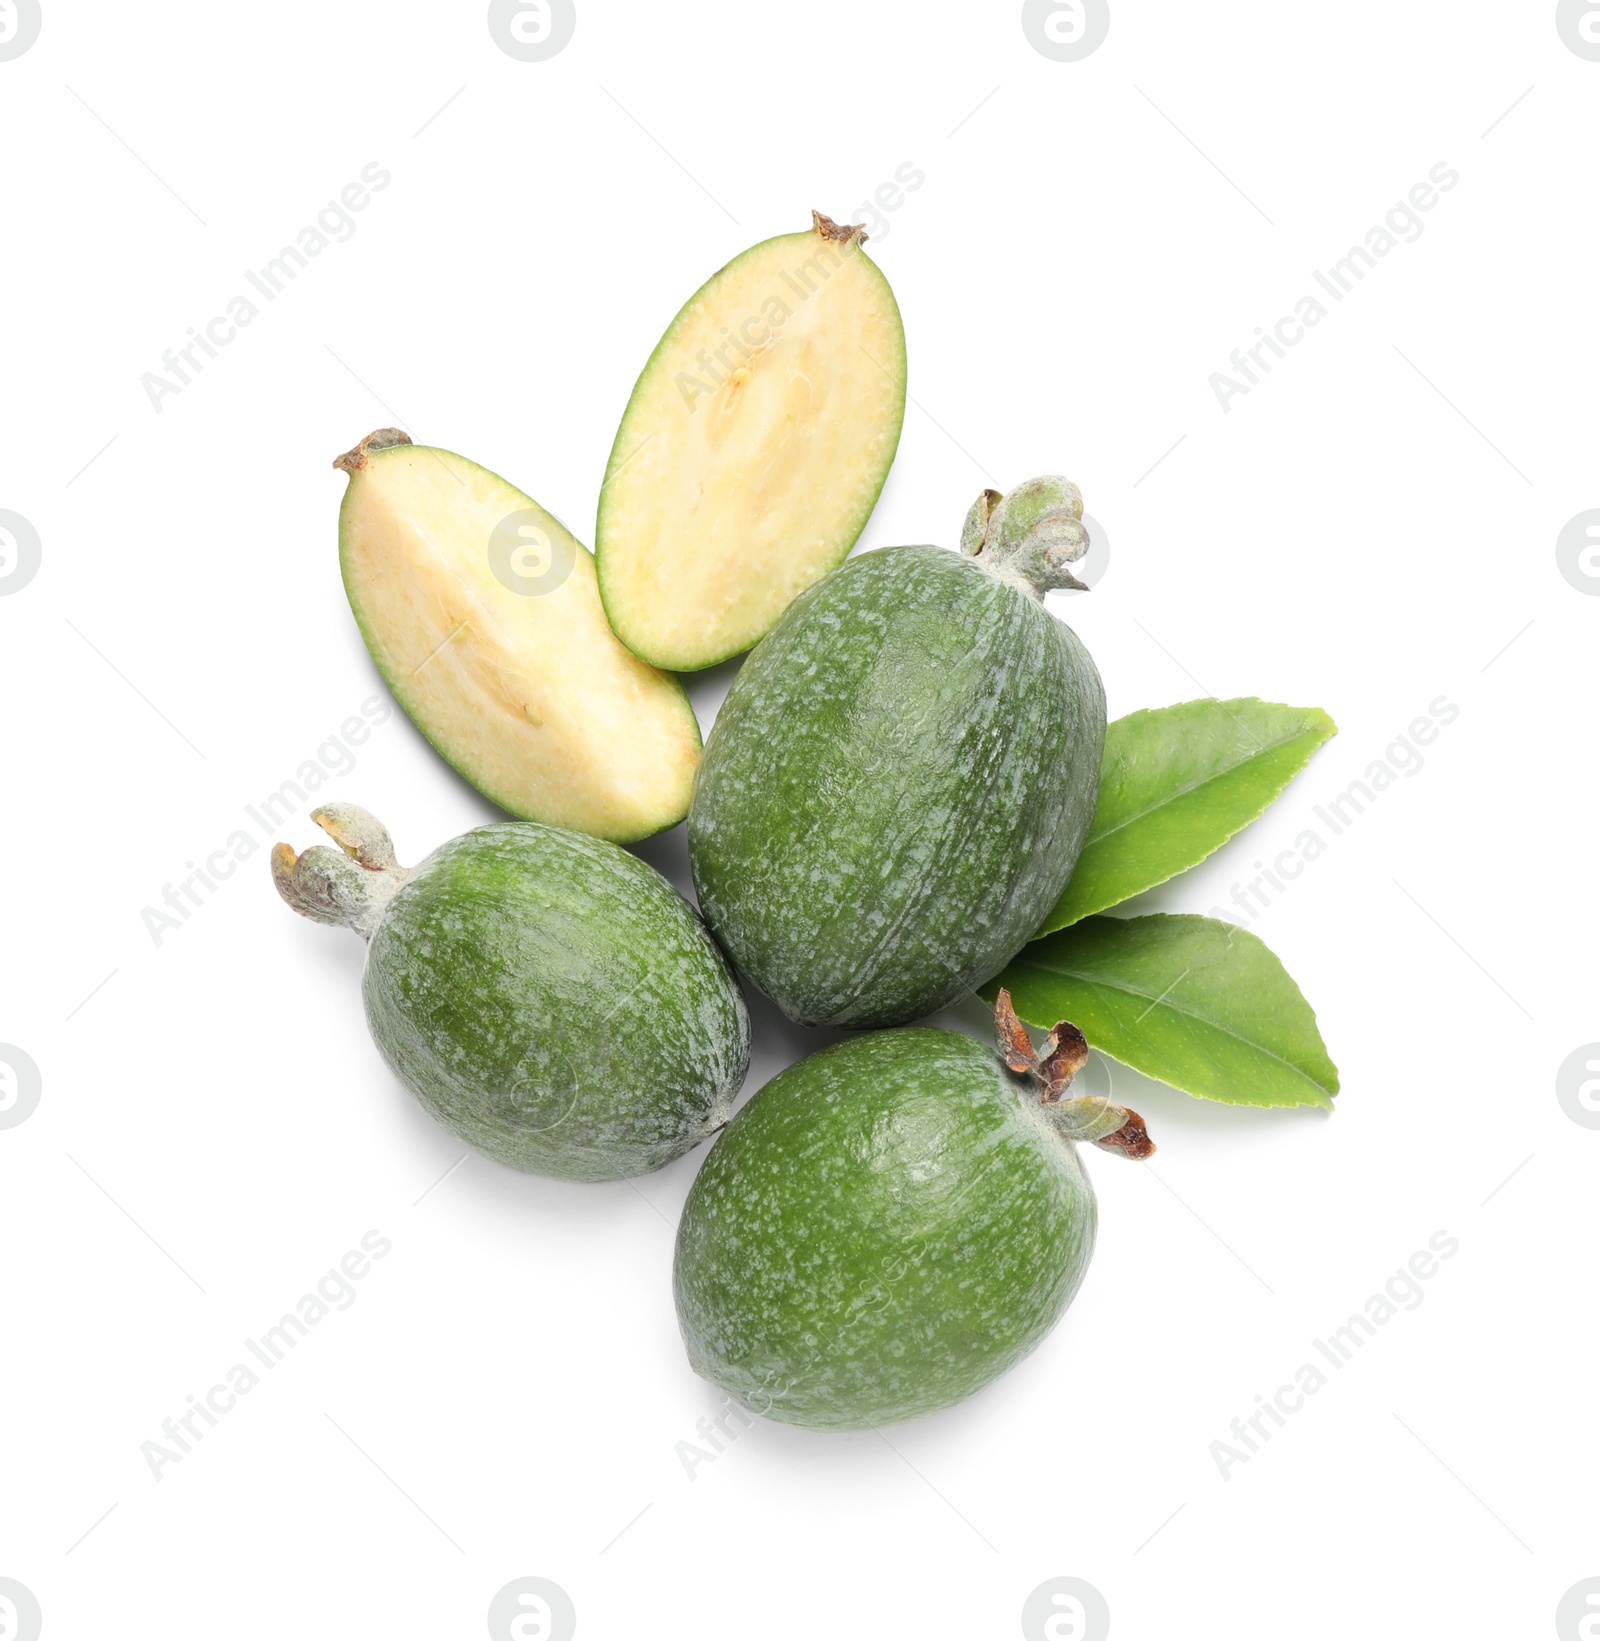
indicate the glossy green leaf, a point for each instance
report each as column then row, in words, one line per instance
column 1191, row 1001
column 1177, row 783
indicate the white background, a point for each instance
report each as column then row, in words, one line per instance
column 1367, row 530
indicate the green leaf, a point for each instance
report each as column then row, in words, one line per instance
column 1191, row 1001
column 1177, row 783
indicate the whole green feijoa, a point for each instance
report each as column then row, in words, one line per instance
column 892, row 1223
column 899, row 783
column 547, row 996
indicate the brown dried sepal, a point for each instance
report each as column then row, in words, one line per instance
column 1051, row 1067
column 1131, row 1140
column 1063, row 1054
column 1016, row 1047
column 835, row 233
column 384, row 438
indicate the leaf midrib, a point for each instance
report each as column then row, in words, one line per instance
column 1133, row 991
column 1195, row 786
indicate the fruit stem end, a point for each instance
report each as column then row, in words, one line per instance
column 1027, row 537
column 385, row 438
column 834, row 233
column 351, row 888
column 1084, row 1119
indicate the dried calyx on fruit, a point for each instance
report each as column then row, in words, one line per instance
column 1030, row 535
column 350, row 886
column 1085, row 1119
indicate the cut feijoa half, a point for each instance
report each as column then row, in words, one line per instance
column 753, row 449
column 482, row 613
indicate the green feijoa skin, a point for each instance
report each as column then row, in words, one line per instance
column 898, row 785
column 547, row 996
column 892, row 1223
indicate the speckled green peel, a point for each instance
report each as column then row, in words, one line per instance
column 896, row 788
column 886, row 1228
column 547, row 996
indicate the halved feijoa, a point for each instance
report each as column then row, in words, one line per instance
column 753, row 449
column 482, row 614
